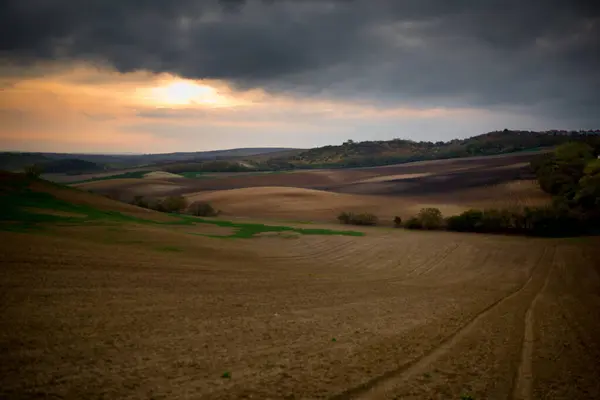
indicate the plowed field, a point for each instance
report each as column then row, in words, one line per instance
column 138, row 313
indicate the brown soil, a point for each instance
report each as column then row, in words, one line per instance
column 303, row 204
column 450, row 185
column 105, row 312
column 319, row 205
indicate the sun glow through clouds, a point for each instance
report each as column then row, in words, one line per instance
column 181, row 92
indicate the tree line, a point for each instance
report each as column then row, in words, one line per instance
column 397, row 151
column 570, row 174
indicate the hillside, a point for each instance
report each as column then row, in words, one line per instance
column 16, row 161
column 352, row 154
column 35, row 200
column 70, row 166
column 29, row 203
column 347, row 155
column 376, row 153
column 13, row 161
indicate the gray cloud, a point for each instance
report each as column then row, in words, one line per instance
column 537, row 56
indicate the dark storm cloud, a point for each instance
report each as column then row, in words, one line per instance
column 540, row 55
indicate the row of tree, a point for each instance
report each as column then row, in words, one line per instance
column 375, row 153
column 571, row 174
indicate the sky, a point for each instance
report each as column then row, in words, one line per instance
column 154, row 76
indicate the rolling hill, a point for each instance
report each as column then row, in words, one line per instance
column 16, row 161
column 105, row 300
column 377, row 153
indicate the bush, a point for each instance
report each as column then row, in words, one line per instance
column 536, row 221
column 156, row 205
column 550, row 221
column 344, row 218
column 366, row 219
column 468, row 221
column 560, row 171
column 489, row 220
column 397, row 222
column 413, row 223
column 171, row 204
column 202, row 209
column 431, row 218
column 496, row 221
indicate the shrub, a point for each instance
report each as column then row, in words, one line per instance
column 397, row 221
column 156, row 205
column 202, row 209
column 413, row 223
column 550, row 221
column 358, row 219
column 364, row 219
column 495, row 221
column 559, row 172
column 431, row 218
column 468, row 221
column 173, row 204
column 344, row 217
column 537, row 221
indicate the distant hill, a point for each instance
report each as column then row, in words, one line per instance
column 346, row 155
column 12, row 161
column 70, row 166
column 375, row 153
column 16, row 161
column 388, row 152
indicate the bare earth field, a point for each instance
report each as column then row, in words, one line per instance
column 138, row 312
column 452, row 186
column 104, row 300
